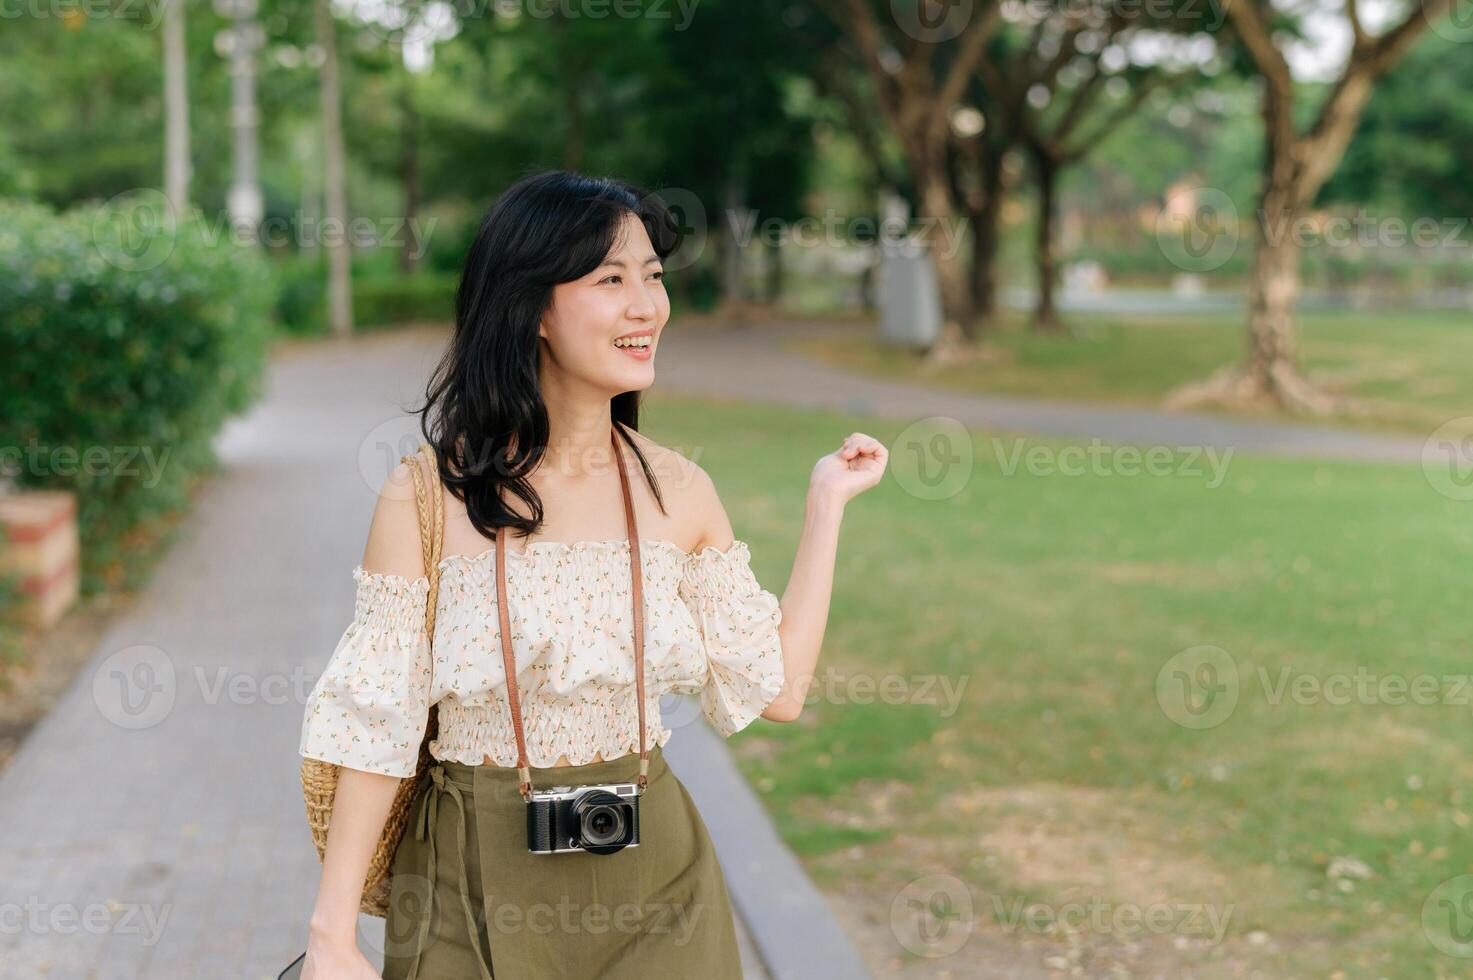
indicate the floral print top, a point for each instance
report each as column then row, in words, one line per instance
column 709, row 629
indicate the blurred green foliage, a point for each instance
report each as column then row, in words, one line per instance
column 128, row 339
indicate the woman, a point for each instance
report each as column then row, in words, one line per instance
column 559, row 317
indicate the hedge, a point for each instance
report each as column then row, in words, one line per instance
column 126, row 342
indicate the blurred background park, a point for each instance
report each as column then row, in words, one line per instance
column 1164, row 307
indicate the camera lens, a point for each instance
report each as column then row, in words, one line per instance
column 602, row 824
column 601, row 820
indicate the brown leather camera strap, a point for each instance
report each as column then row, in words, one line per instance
column 636, row 578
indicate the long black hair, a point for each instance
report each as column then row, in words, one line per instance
column 484, row 400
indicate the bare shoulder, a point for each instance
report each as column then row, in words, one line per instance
column 393, row 546
column 689, row 492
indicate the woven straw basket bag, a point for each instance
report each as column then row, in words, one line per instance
column 320, row 779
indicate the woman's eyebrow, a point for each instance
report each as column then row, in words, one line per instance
column 611, row 264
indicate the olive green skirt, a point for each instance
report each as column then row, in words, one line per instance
column 469, row 900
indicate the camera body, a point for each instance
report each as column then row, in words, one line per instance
column 597, row 819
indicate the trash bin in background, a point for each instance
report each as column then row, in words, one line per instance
column 910, row 296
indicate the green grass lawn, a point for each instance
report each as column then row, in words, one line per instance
column 1052, row 603
column 1411, row 369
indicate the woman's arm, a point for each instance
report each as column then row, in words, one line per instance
column 836, row 479
column 360, row 808
column 805, row 603
column 362, row 801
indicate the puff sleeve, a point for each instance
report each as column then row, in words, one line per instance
column 369, row 708
column 738, row 621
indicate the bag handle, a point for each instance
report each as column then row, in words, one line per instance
column 431, row 508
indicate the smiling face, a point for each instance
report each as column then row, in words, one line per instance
column 603, row 329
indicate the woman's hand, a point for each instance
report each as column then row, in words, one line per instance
column 329, row 959
column 850, row 470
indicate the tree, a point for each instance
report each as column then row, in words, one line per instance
column 919, row 78
column 1296, row 164
column 243, row 40
column 1062, row 88
column 1414, row 148
column 176, row 108
column 334, row 176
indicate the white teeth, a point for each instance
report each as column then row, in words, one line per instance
column 633, row 342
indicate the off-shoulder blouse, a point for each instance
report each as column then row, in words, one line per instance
column 709, row 629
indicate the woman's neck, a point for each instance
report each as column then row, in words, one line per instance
column 578, row 441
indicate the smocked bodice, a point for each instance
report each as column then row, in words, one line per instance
column 709, row 629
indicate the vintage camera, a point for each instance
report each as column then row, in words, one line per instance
column 599, row 819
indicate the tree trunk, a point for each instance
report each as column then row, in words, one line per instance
column 733, row 286
column 1273, row 290
column 335, row 207
column 985, row 223
column 244, row 200
column 773, row 281
column 957, row 327
column 1045, row 317
column 176, row 109
column 1273, row 300
column 409, row 175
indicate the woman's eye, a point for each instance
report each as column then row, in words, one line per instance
column 658, row 275
column 610, row 278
